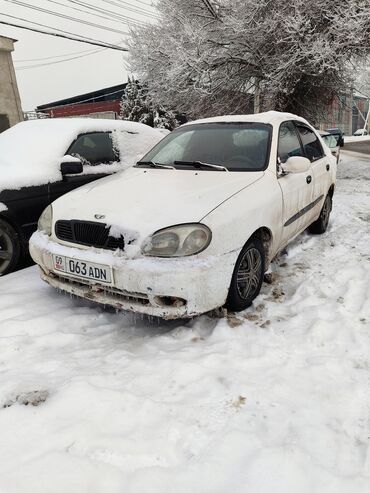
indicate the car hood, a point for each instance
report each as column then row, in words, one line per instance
column 146, row 200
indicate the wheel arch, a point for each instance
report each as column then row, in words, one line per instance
column 9, row 218
column 264, row 234
column 331, row 190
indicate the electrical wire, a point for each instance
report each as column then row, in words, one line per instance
column 64, row 16
column 210, row 8
column 115, row 15
column 73, row 37
column 53, row 56
column 25, row 67
column 129, row 7
column 110, row 18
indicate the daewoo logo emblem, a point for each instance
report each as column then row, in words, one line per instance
column 99, row 216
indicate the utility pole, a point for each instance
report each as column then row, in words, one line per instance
column 257, row 96
column 367, row 116
column 350, row 123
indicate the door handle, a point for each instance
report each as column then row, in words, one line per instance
column 327, row 167
column 308, row 179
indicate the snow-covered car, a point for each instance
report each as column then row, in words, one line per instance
column 194, row 225
column 331, row 141
column 360, row 132
column 41, row 160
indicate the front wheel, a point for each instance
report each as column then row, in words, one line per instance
column 247, row 277
column 321, row 224
column 9, row 248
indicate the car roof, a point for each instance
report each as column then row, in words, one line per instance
column 334, row 130
column 323, row 133
column 268, row 117
column 81, row 125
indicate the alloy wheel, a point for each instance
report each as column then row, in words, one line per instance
column 249, row 273
column 325, row 212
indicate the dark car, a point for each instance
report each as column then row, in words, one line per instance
column 338, row 134
column 331, row 142
column 41, row 160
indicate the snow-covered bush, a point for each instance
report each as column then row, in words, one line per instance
column 137, row 106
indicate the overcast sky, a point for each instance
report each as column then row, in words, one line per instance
column 91, row 71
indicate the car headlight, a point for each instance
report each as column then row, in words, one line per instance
column 178, row 241
column 44, row 223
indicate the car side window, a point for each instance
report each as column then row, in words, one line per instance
column 94, row 148
column 289, row 144
column 311, row 143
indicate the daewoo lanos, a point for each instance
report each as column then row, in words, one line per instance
column 194, row 225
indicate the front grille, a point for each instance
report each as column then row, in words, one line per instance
column 88, row 233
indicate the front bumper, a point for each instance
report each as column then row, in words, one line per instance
column 166, row 288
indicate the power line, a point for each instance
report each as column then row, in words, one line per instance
column 64, row 16
column 25, row 67
column 73, row 37
column 110, row 18
column 53, row 56
column 54, row 28
column 115, row 15
column 210, row 8
column 129, row 7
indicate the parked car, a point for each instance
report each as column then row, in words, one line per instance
column 360, row 132
column 41, row 160
column 194, row 225
column 331, row 142
column 338, row 134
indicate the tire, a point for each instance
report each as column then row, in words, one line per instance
column 321, row 224
column 10, row 248
column 247, row 277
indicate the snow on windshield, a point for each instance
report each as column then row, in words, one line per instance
column 31, row 152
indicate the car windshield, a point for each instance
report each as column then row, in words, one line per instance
column 234, row 146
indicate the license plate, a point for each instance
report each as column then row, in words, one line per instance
column 80, row 268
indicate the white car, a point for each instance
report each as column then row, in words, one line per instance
column 194, row 225
column 360, row 132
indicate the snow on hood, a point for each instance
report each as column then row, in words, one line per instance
column 31, row 151
column 146, row 200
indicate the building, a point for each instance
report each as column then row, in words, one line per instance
column 10, row 103
column 348, row 112
column 104, row 103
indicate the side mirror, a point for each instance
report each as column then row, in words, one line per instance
column 70, row 165
column 296, row 164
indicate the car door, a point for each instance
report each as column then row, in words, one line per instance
column 24, row 206
column 97, row 153
column 297, row 188
column 320, row 164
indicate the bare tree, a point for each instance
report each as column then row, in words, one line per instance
column 297, row 54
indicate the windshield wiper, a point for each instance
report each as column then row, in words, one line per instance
column 152, row 164
column 199, row 164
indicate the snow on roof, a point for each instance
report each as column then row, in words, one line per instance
column 269, row 117
column 31, row 151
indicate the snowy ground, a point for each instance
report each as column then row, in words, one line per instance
column 275, row 400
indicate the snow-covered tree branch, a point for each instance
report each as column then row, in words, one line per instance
column 299, row 53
